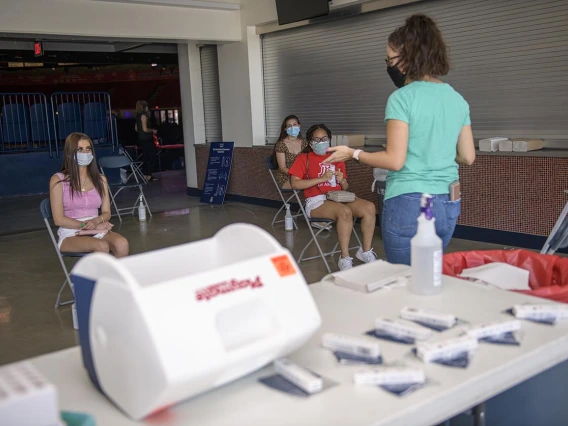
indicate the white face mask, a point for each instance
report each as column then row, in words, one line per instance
column 84, row 158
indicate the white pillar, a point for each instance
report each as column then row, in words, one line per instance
column 256, row 89
column 192, row 106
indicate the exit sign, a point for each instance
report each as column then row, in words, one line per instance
column 38, row 48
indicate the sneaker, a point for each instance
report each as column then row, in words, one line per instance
column 322, row 225
column 345, row 263
column 366, row 256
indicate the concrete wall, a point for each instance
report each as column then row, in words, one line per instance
column 118, row 20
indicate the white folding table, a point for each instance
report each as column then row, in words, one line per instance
column 451, row 391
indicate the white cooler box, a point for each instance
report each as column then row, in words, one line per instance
column 160, row 327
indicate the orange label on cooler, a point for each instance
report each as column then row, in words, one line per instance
column 283, row 265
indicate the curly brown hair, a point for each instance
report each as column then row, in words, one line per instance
column 421, row 48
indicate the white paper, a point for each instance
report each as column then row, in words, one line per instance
column 370, row 276
column 501, row 275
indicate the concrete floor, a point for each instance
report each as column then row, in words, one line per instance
column 30, row 274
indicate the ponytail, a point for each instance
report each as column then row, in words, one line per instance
column 421, row 48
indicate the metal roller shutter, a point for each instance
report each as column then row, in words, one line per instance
column 211, row 95
column 509, row 60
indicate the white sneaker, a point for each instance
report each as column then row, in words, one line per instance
column 366, row 256
column 345, row 263
column 322, row 225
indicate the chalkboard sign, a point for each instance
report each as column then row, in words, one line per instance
column 218, row 171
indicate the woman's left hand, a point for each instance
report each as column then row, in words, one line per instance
column 339, row 153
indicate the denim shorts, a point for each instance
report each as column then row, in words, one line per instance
column 399, row 223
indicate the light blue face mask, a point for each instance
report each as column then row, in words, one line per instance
column 320, row 148
column 84, row 158
column 293, row 131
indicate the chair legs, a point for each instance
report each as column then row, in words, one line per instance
column 58, row 302
column 287, row 201
column 323, row 255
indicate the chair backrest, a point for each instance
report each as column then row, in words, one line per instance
column 69, row 119
column 268, row 163
column 114, row 162
column 15, row 123
column 95, row 120
column 45, row 209
column 41, row 120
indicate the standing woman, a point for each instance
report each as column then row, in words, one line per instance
column 76, row 195
column 428, row 134
column 145, row 139
column 290, row 144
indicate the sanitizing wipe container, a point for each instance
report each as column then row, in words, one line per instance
column 548, row 274
column 160, row 327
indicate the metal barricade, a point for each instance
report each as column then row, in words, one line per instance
column 86, row 112
column 26, row 123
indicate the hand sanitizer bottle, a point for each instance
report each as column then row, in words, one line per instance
column 426, row 253
column 141, row 210
column 288, row 219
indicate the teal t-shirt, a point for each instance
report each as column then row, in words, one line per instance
column 435, row 114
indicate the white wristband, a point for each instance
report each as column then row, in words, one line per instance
column 356, row 154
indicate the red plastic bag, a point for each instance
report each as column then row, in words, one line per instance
column 548, row 274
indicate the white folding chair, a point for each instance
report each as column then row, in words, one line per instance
column 45, row 208
column 323, row 255
column 115, row 187
column 291, row 193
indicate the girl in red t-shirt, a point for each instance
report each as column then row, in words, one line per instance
column 317, row 179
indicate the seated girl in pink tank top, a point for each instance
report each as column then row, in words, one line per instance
column 80, row 202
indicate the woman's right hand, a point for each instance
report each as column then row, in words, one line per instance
column 90, row 224
column 327, row 176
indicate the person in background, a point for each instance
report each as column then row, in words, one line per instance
column 145, row 139
column 428, row 134
column 76, row 194
column 310, row 173
column 289, row 145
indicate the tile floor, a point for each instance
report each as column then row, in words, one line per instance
column 30, row 275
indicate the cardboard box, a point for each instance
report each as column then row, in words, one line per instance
column 506, row 146
column 526, row 145
column 353, row 141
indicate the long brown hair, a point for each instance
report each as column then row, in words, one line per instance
column 283, row 134
column 70, row 166
column 141, row 107
column 421, row 48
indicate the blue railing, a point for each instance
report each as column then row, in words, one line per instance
column 86, row 112
column 26, row 123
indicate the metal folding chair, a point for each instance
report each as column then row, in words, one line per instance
column 558, row 237
column 118, row 162
column 323, row 255
column 45, row 208
column 136, row 165
column 290, row 192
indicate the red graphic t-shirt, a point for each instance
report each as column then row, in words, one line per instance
column 310, row 166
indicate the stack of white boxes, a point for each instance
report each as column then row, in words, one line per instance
column 505, row 145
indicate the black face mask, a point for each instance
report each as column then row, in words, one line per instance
column 397, row 77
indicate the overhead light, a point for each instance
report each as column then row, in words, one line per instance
column 198, row 4
column 154, row 65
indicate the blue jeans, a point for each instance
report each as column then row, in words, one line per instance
column 399, row 223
